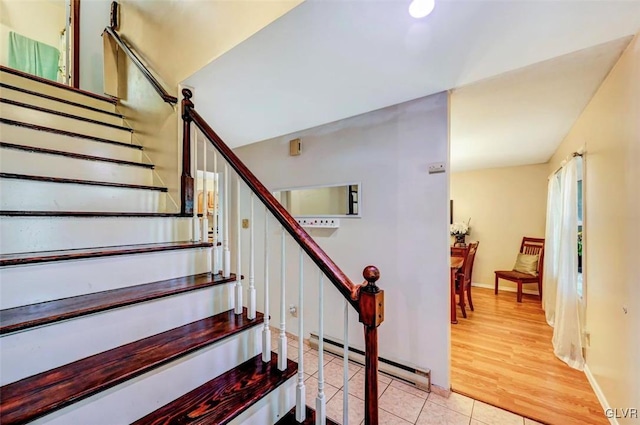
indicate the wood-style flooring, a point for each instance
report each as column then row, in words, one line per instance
column 501, row 354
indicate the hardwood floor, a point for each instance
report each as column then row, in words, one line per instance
column 502, row 355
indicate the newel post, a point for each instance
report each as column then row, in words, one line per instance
column 371, row 302
column 186, row 183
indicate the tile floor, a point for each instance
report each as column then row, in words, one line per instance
column 400, row 404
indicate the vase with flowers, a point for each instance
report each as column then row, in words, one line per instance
column 460, row 231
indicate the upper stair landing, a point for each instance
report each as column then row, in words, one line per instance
column 15, row 78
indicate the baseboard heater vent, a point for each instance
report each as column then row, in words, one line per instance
column 421, row 378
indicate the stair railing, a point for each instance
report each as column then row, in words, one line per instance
column 366, row 298
column 111, row 31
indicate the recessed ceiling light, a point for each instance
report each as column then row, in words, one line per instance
column 421, row 8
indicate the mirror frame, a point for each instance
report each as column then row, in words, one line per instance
column 321, row 186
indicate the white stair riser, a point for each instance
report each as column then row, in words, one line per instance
column 42, row 102
column 142, row 395
column 28, row 234
column 272, row 407
column 47, row 347
column 27, row 195
column 18, row 113
column 42, row 139
column 60, row 93
column 41, row 164
column 34, row 283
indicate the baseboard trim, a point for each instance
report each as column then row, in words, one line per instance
column 504, row 288
column 419, row 377
column 599, row 394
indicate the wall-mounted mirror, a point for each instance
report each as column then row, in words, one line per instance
column 322, row 201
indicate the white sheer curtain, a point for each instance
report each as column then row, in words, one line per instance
column 552, row 236
column 563, row 313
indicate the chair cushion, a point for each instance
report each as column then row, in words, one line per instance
column 514, row 276
column 526, row 263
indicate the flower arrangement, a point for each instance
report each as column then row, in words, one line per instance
column 458, row 229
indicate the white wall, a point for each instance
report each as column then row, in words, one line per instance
column 609, row 130
column 94, row 17
column 403, row 229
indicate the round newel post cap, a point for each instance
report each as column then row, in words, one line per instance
column 186, row 93
column 371, row 274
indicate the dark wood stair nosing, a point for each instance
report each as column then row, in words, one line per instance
column 57, row 99
column 45, row 313
column 64, row 114
column 46, row 151
column 109, row 99
column 46, row 392
column 85, row 253
column 225, row 397
column 78, row 181
column 68, row 133
column 91, row 214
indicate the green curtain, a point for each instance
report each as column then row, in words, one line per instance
column 33, row 57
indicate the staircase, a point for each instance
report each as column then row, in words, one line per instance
column 109, row 312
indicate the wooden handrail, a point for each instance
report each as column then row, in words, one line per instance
column 145, row 71
column 348, row 289
column 367, row 299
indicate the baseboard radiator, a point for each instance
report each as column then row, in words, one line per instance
column 421, row 378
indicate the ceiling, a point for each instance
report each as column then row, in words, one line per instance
column 520, row 117
column 326, row 60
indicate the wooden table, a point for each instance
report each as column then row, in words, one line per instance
column 456, row 263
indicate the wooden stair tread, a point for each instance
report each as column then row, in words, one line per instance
column 28, row 316
column 13, row 71
column 225, row 397
column 58, row 99
column 63, row 114
column 310, row 418
column 41, row 394
column 67, row 133
column 76, row 254
column 74, row 155
column 78, row 181
column 91, row 214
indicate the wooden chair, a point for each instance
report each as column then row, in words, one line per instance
column 531, row 246
column 463, row 277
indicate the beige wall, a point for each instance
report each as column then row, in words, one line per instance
column 319, row 201
column 177, row 38
column 41, row 20
column 504, row 205
column 609, row 129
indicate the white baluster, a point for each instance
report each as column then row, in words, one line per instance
column 238, row 249
column 345, row 359
column 321, row 416
column 266, row 331
column 251, row 292
column 215, row 223
column 226, row 266
column 301, row 412
column 282, row 337
column 195, row 230
column 204, row 228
